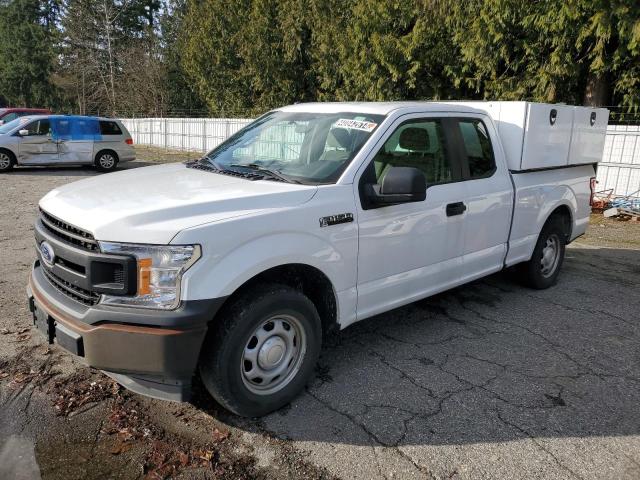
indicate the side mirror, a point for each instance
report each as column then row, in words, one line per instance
column 23, row 133
column 400, row 185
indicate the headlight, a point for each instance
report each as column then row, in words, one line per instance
column 160, row 269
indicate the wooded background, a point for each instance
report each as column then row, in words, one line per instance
column 242, row 57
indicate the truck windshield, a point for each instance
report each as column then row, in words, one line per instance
column 302, row 147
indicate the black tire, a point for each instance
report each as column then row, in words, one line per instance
column 223, row 360
column 536, row 273
column 7, row 160
column 106, row 161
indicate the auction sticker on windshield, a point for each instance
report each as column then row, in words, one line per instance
column 356, row 124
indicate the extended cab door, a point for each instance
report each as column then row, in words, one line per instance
column 410, row 250
column 488, row 195
column 38, row 146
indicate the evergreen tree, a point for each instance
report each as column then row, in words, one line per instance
column 27, row 43
column 574, row 51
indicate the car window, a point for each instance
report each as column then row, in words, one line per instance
column 109, row 128
column 8, row 127
column 84, row 129
column 10, row 116
column 477, row 145
column 39, row 128
column 416, row 143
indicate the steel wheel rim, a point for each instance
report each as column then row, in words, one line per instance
column 5, row 161
column 106, row 161
column 550, row 256
column 273, row 354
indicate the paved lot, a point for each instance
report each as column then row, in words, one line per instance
column 490, row 380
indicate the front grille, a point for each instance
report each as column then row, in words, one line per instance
column 86, row 297
column 68, row 233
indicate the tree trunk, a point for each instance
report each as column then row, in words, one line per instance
column 598, row 91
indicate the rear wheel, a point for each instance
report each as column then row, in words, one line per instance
column 106, row 161
column 7, row 161
column 544, row 267
column 262, row 351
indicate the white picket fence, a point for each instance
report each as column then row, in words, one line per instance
column 194, row 134
column 619, row 169
column 620, row 166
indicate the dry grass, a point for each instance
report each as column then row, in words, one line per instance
column 609, row 232
column 160, row 155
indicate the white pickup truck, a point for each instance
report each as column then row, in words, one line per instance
column 311, row 218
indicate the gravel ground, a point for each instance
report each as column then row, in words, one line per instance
column 490, row 380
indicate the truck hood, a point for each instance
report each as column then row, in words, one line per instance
column 152, row 204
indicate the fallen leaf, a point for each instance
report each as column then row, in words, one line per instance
column 206, row 455
column 120, row 447
column 184, row 459
column 220, row 436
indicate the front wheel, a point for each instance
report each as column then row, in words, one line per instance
column 262, row 350
column 106, row 161
column 544, row 267
column 7, row 160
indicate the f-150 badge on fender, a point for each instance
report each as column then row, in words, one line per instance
column 336, row 219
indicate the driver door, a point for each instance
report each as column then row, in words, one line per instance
column 410, row 250
column 38, row 147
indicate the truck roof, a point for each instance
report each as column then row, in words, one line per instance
column 382, row 108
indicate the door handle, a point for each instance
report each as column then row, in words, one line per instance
column 457, row 208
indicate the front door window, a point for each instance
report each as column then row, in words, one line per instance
column 39, row 128
column 419, row 144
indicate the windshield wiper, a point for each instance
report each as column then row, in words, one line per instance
column 211, row 162
column 272, row 173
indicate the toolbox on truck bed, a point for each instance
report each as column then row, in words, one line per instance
column 543, row 135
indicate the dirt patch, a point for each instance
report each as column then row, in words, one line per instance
column 609, row 232
column 161, row 155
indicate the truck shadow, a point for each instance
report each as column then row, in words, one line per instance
column 487, row 362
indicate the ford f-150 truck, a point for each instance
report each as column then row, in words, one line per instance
column 311, row 218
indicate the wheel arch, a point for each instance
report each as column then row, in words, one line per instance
column 307, row 279
column 562, row 211
column 105, row 150
column 11, row 154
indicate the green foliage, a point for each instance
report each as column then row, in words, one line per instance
column 394, row 50
column 242, row 57
column 571, row 51
column 251, row 58
column 27, row 40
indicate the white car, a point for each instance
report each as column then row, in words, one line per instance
column 311, row 218
column 65, row 140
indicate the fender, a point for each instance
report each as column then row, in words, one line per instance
column 538, row 194
column 227, row 273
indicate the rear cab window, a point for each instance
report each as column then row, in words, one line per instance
column 477, row 148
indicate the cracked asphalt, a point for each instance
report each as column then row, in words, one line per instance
column 490, row 380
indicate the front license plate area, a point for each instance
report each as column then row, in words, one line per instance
column 44, row 322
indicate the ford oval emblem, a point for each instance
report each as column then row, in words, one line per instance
column 47, row 253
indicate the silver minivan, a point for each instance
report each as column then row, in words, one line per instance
column 65, row 140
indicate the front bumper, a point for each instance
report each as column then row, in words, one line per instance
column 152, row 352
